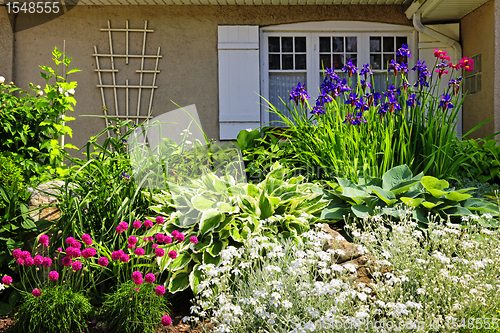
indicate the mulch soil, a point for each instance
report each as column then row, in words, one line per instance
column 180, row 308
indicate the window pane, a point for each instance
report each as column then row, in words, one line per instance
column 280, row 85
column 375, row 44
column 287, row 44
column 376, row 61
column 400, row 41
column 338, row 44
column 325, row 60
column 351, row 44
column 274, row 44
column 388, row 44
column 324, row 44
column 300, row 61
column 274, row 61
column 351, row 56
column 338, row 61
column 300, row 44
column 387, row 59
column 287, row 61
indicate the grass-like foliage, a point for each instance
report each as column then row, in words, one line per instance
column 134, row 309
column 56, row 310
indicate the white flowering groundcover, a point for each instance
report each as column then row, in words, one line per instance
column 442, row 279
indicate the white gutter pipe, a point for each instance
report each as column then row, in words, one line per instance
column 457, row 48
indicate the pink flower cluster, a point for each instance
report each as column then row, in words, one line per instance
column 122, row 227
column 24, row 258
column 120, row 255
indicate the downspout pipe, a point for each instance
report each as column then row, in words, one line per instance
column 457, row 48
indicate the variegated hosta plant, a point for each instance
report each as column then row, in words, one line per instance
column 220, row 212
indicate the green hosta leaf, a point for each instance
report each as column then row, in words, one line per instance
column 210, row 219
column 275, row 201
column 216, row 247
column 335, row 213
column 202, row 203
column 436, row 193
column 265, row 206
column 195, row 278
column 209, row 259
column 252, row 191
column 362, row 211
column 457, row 196
column 430, row 182
column 412, row 202
column 180, row 262
column 386, row 196
column 476, row 204
column 245, row 232
column 249, row 205
column 235, row 234
column 391, row 211
column 421, row 215
column 197, row 257
column 457, row 211
column 430, row 205
column 351, row 190
column 224, row 207
column 179, row 282
column 203, row 243
column 405, row 186
column 224, row 233
column 395, row 176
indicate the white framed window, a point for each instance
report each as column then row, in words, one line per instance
column 285, row 63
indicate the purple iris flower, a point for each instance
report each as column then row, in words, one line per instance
column 445, row 102
column 420, row 66
column 352, row 99
column 366, row 70
column 454, row 84
column 350, row 68
column 404, row 51
column 412, row 101
column 318, row 109
column 324, row 98
column 365, row 85
column 330, row 72
column 344, row 87
column 299, row 94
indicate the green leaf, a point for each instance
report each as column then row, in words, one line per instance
column 395, row 176
column 180, row 262
column 334, row 213
column 209, row 259
column 456, row 196
column 210, row 219
column 203, row 243
column 387, row 196
column 216, row 247
column 28, row 224
column 235, row 234
column 436, row 193
column 179, row 282
column 202, row 203
column 224, row 207
column 362, row 211
column 412, row 202
column 265, row 206
column 5, row 309
column 195, row 278
column 430, row 182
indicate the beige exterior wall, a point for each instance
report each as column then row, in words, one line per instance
column 187, row 36
column 6, row 46
column 478, row 32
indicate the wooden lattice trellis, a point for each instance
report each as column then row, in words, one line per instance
column 126, row 86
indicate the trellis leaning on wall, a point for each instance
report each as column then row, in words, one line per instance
column 128, row 114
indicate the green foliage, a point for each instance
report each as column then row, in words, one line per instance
column 101, row 192
column 130, row 311
column 221, row 213
column 424, row 194
column 484, row 164
column 33, row 123
column 10, row 172
column 56, row 310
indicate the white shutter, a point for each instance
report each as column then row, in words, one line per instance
column 426, row 46
column 239, row 83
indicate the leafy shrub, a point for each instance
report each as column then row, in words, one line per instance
column 481, row 188
column 220, row 214
column 32, row 124
column 56, row 310
column 484, row 163
column 426, row 196
column 134, row 309
column 10, row 173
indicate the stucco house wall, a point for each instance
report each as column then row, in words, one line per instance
column 478, row 31
column 187, row 36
